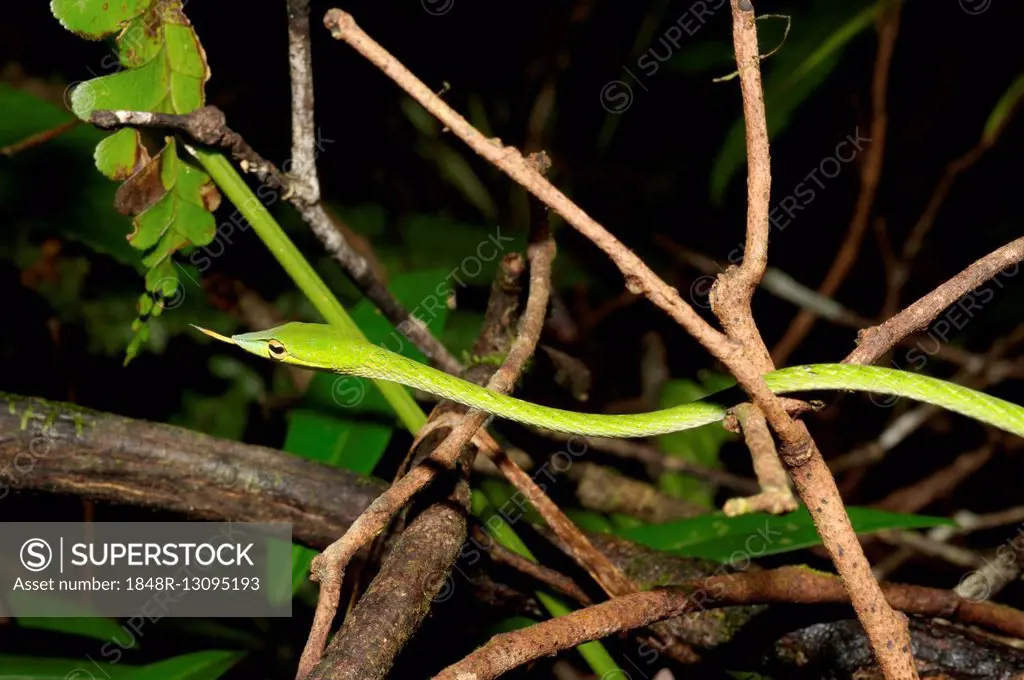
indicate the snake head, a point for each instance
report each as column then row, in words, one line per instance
column 310, row 345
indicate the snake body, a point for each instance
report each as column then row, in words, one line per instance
column 321, row 347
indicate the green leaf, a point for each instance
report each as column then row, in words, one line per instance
column 165, row 69
column 759, row 534
column 121, row 155
column 342, row 443
column 85, row 212
column 205, row 665
column 94, row 19
column 1003, row 111
column 699, row 445
column 180, row 217
column 98, row 628
column 811, row 53
column 171, row 201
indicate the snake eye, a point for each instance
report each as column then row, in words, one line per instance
column 276, row 348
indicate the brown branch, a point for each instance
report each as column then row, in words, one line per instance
column 734, row 289
column 887, row 629
column 873, row 342
column 775, row 495
column 208, row 125
column 66, row 449
column 800, row 585
column 870, row 175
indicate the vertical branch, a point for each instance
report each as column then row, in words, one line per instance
column 306, row 184
column 886, row 628
column 734, row 290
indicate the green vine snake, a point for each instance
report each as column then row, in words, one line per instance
column 323, row 348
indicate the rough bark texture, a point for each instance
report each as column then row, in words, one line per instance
column 67, row 449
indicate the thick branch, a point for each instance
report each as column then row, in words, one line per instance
column 506, row 651
column 67, row 449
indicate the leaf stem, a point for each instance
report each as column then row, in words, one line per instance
column 305, row 277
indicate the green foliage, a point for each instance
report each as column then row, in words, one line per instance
column 170, row 200
column 1003, row 110
column 95, row 627
column 206, row 665
column 94, row 20
column 816, row 43
column 700, row 445
column 759, row 534
column 85, row 211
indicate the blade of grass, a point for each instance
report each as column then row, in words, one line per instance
column 594, row 653
column 305, row 277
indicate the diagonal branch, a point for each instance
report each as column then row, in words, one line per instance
column 306, row 187
column 873, row 342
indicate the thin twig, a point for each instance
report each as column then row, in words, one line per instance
column 775, row 495
column 870, row 176
column 873, row 342
column 545, row 575
column 506, row 651
column 38, row 138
